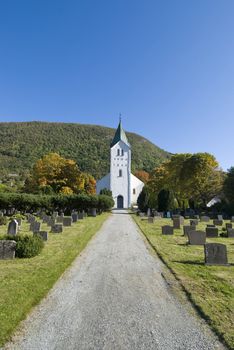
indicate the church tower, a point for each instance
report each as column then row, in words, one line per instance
column 120, row 169
column 125, row 187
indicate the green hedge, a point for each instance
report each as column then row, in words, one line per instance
column 31, row 202
column 26, row 246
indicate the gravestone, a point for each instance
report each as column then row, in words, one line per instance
column 230, row 233
column 209, row 225
column 194, row 222
column 74, row 217
column 220, row 217
column 217, row 222
column 228, row 225
column 19, row 221
column 212, row 232
column 93, row 212
column 188, row 228
column 1, row 214
column 51, row 221
column 44, row 218
column 67, row 221
column 168, row 214
column 12, row 228
column 7, row 249
column 232, row 219
column 148, row 212
column 167, row 230
column 215, row 254
column 31, row 219
column 81, row 216
column 205, row 218
column 196, row 237
column 55, row 214
column 177, row 221
column 36, row 226
column 150, row 220
column 141, row 214
column 57, row 228
column 42, row 234
column 59, row 219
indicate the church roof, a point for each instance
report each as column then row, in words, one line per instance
column 120, row 136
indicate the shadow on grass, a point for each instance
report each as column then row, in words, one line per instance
column 189, row 262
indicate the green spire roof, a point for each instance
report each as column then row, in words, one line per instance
column 120, row 136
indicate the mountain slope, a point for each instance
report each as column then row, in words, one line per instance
column 21, row 144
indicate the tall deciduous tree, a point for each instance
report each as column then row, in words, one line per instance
column 55, row 174
column 229, row 186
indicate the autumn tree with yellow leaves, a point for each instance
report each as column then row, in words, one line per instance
column 55, row 174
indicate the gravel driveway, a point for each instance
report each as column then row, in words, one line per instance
column 113, row 297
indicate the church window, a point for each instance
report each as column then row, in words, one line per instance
column 120, row 173
column 118, row 152
column 122, row 152
column 134, row 191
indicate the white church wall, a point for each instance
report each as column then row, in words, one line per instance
column 120, row 183
column 103, row 183
column 136, row 188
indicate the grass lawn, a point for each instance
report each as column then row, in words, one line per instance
column 210, row 288
column 24, row 282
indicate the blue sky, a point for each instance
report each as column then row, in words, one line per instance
column 166, row 65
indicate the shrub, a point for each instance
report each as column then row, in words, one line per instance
column 3, row 220
column 26, row 246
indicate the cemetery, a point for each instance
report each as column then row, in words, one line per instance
column 25, row 281
column 201, row 257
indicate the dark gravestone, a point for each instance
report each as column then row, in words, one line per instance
column 212, row 232
column 36, row 226
column 230, row 232
column 7, row 249
column 93, row 212
column 31, row 219
column 42, row 234
column 194, row 222
column 51, row 221
column 205, row 218
column 74, row 217
column 67, row 221
column 210, row 225
column 215, row 254
column 12, row 228
column 167, row 230
column 188, row 228
column 44, row 218
column 81, row 216
column 217, row 222
column 57, row 228
column 150, row 220
column 177, row 221
column 59, row 219
column 196, row 237
column 228, row 225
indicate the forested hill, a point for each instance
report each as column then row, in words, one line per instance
column 21, row 144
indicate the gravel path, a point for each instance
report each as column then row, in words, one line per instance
column 113, row 297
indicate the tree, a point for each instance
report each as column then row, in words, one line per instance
column 106, row 192
column 229, row 186
column 142, row 175
column 143, row 200
column 55, row 174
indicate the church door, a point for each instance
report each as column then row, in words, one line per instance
column 120, row 202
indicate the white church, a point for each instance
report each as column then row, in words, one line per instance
column 125, row 187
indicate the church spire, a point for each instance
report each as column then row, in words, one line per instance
column 120, row 134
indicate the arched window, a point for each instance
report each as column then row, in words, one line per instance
column 134, row 191
column 122, row 152
column 120, row 173
column 118, row 152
